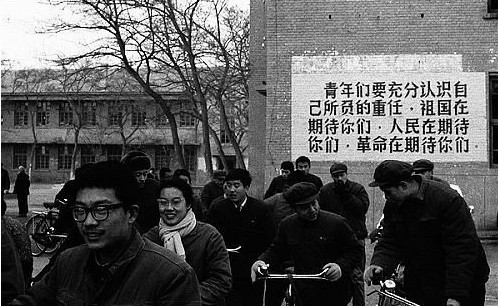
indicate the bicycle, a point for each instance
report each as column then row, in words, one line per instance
column 388, row 293
column 289, row 298
column 41, row 231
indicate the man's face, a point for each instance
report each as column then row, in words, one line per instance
column 106, row 236
column 395, row 194
column 305, row 167
column 341, row 176
column 172, row 206
column 141, row 176
column 285, row 173
column 308, row 211
column 235, row 191
column 219, row 180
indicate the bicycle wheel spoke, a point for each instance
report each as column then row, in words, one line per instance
column 32, row 226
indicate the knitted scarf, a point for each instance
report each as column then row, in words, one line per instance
column 171, row 235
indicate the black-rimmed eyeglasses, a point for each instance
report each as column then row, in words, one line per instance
column 99, row 213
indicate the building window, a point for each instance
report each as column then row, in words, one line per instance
column 21, row 115
column 65, row 114
column 163, row 155
column 64, row 158
column 161, row 119
column 493, row 98
column 138, row 117
column 190, row 156
column 87, row 155
column 89, row 113
column 42, row 158
column 185, row 118
column 492, row 6
column 115, row 116
column 231, row 123
column 113, row 153
column 20, row 156
column 42, row 113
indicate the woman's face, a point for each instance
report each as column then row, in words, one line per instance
column 172, row 206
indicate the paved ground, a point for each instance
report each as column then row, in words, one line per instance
column 45, row 193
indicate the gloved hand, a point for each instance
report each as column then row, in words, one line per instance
column 340, row 187
column 370, row 273
column 334, row 271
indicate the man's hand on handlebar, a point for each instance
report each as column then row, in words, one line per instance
column 332, row 271
column 372, row 274
column 255, row 269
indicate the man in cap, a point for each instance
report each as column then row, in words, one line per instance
column 212, row 190
column 350, row 200
column 279, row 183
column 316, row 240
column 139, row 164
column 21, row 189
column 426, row 168
column 427, row 226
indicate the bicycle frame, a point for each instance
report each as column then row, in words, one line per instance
column 264, row 275
column 388, row 297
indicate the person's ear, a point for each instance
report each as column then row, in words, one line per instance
column 403, row 185
column 133, row 213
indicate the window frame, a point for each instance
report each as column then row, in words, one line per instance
column 42, row 159
column 19, row 156
column 64, row 159
column 89, row 113
column 42, row 113
column 66, row 116
column 21, row 113
column 87, row 154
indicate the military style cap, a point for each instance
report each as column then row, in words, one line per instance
column 423, row 165
column 391, row 172
column 301, row 193
column 337, row 168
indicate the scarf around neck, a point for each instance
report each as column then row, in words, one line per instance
column 171, row 235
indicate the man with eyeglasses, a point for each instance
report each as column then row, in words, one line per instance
column 139, row 163
column 115, row 266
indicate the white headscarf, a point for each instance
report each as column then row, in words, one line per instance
column 171, row 235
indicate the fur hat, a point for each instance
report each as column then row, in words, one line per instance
column 136, row 160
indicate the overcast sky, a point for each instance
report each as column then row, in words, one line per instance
column 20, row 19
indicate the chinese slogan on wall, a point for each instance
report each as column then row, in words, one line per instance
column 378, row 116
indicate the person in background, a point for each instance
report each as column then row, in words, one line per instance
column 20, row 237
column 13, row 283
column 303, row 163
column 152, row 174
column 212, row 190
column 426, row 168
column 139, row 163
column 247, row 226
column 350, row 200
column 5, row 185
column 184, row 175
column 165, row 173
column 428, row 227
column 115, row 266
column 200, row 244
column 21, row 189
column 316, row 240
column 279, row 183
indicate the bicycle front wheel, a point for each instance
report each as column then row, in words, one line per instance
column 34, row 228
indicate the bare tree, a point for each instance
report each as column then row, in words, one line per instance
column 163, row 45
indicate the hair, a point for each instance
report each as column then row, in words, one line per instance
column 179, row 184
column 109, row 175
column 184, row 172
column 303, row 159
column 239, row 174
column 287, row 165
column 297, row 177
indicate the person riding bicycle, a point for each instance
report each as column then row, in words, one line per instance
column 316, row 240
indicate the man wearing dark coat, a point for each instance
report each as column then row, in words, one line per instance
column 21, row 189
column 243, row 222
column 428, row 226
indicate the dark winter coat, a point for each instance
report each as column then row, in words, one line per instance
column 148, row 213
column 436, row 238
column 352, row 204
column 21, row 186
column 277, row 185
column 328, row 239
column 209, row 193
column 205, row 252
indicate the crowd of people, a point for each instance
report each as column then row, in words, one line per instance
column 135, row 239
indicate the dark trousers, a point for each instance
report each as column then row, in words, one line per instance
column 22, row 202
column 358, row 282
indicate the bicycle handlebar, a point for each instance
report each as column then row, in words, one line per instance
column 234, row 250
column 263, row 274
